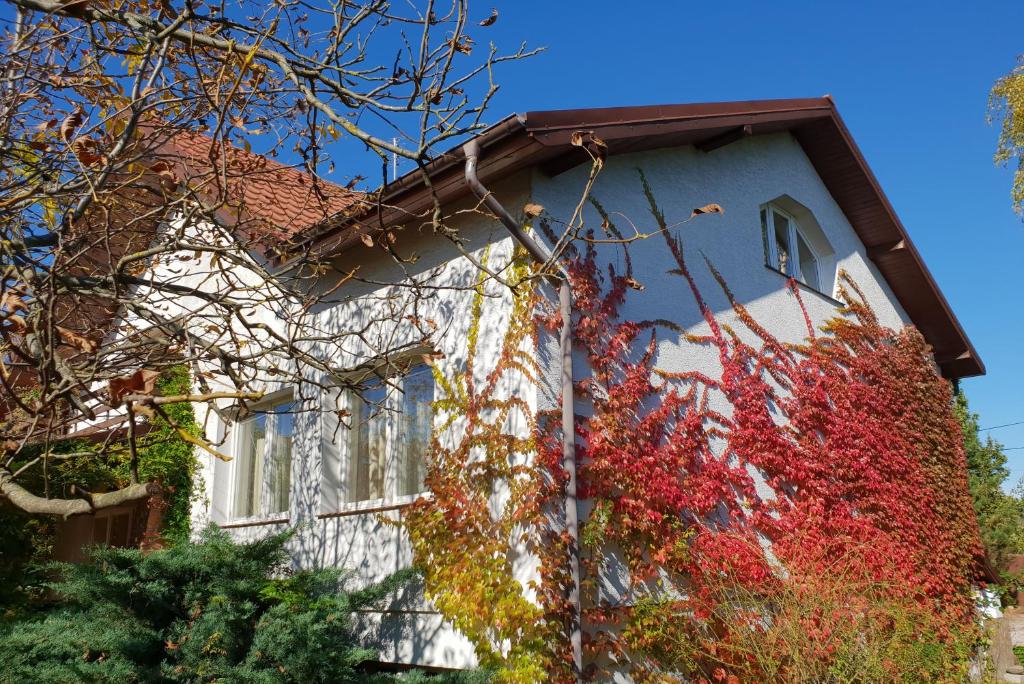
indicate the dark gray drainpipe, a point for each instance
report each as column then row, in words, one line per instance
column 539, row 254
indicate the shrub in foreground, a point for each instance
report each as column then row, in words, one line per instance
column 820, row 616
column 203, row 611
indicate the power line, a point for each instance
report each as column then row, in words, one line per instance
column 996, row 427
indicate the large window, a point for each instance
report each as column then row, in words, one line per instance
column 390, row 437
column 263, row 460
column 787, row 248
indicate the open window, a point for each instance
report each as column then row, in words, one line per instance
column 788, row 246
column 261, row 472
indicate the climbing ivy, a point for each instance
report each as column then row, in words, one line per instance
column 166, row 458
column 487, row 509
column 822, row 482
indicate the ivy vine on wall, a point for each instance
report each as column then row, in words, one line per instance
column 818, row 526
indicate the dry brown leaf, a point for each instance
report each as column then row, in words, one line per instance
column 164, row 169
column 16, row 324
column 80, row 342
column 141, row 381
column 76, row 8
column 597, row 148
column 708, row 209
column 465, row 46
column 491, row 19
column 71, row 124
column 13, row 302
column 165, row 173
column 367, row 240
column 532, row 210
column 86, row 151
column 635, row 284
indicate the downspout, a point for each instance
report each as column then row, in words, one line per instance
column 561, row 279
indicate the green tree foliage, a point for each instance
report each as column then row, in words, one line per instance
column 1006, row 106
column 1000, row 515
column 203, row 611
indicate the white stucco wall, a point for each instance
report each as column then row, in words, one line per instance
column 331, row 533
column 740, row 177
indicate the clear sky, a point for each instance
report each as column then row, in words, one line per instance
column 911, row 81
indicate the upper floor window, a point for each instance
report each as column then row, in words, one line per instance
column 262, row 460
column 389, row 440
column 787, row 248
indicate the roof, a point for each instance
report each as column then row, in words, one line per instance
column 544, row 139
column 264, row 197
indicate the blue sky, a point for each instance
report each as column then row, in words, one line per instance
column 911, row 82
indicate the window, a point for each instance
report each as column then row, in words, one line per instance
column 416, row 422
column 389, row 441
column 112, row 529
column 368, row 453
column 263, row 460
column 787, row 248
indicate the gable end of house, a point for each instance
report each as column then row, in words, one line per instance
column 545, row 140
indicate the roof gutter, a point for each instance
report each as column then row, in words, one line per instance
column 561, row 279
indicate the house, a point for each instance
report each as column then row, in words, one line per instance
column 799, row 203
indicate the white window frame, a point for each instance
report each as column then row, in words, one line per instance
column 793, row 268
column 391, row 414
column 264, row 406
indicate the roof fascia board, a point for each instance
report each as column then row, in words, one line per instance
column 610, row 132
column 539, row 138
column 968, row 359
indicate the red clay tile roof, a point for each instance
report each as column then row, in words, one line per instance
column 263, row 196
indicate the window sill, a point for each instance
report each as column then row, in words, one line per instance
column 373, row 506
column 807, row 288
column 254, row 522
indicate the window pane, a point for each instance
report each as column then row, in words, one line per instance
column 279, row 462
column 249, row 465
column 764, row 236
column 369, row 451
column 100, row 530
column 808, row 264
column 416, row 424
column 119, row 529
column 782, row 242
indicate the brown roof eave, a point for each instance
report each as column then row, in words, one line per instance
column 905, row 270
column 816, row 124
column 543, row 139
column 407, row 198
